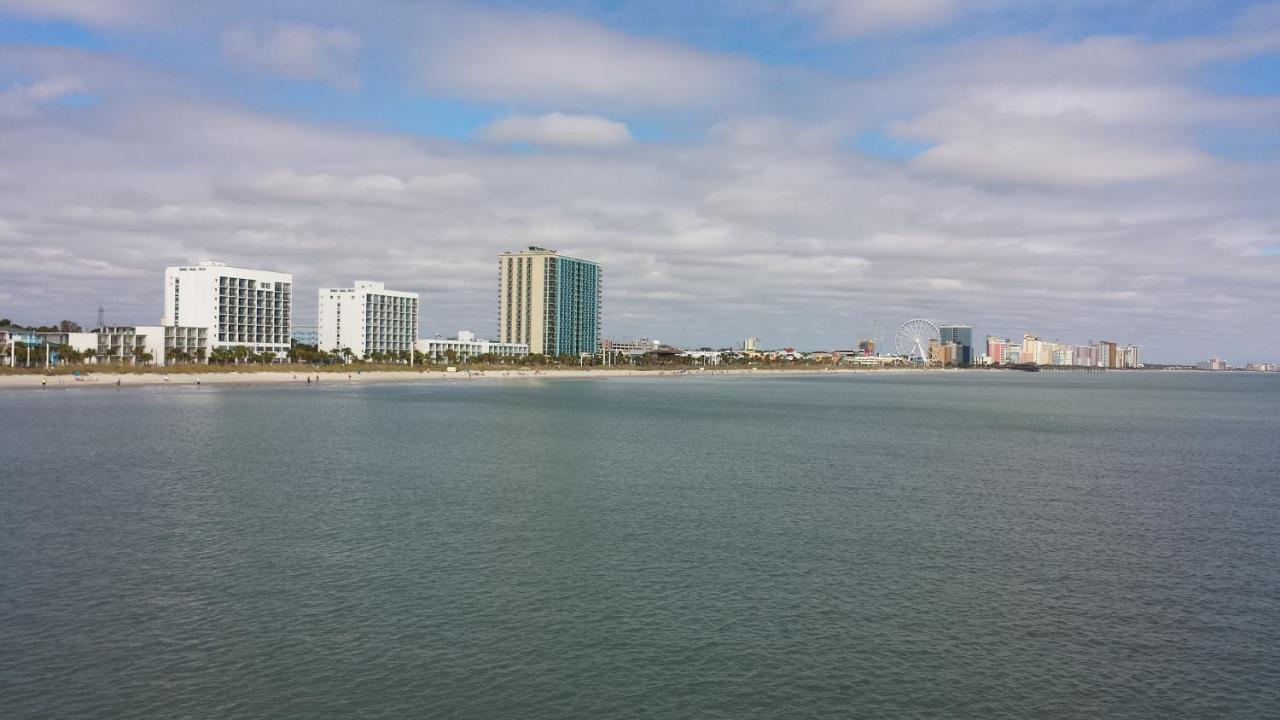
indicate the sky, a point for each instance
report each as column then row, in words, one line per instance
column 805, row 171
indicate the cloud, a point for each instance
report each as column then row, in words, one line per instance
column 167, row 216
column 857, row 17
column 776, row 133
column 1003, row 145
column 21, row 102
column 297, row 52
column 1056, row 174
column 559, row 129
column 370, row 189
column 544, row 59
column 90, row 12
column 1087, row 113
column 744, row 232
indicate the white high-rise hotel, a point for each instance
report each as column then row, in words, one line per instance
column 367, row 318
column 253, row 308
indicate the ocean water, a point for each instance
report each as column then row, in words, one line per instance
column 958, row 545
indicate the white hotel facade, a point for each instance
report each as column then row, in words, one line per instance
column 466, row 346
column 367, row 318
column 238, row 306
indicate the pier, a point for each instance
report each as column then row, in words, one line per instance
column 1032, row 367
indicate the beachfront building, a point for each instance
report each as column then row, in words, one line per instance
column 1085, row 356
column 466, row 346
column 996, row 350
column 151, row 344
column 549, row 302
column 185, row 343
column 83, row 344
column 236, row 306
column 1035, row 350
column 613, row 349
column 131, row 344
column 1109, row 354
column 1132, row 356
column 962, row 337
column 127, row 344
column 706, row 357
column 367, row 319
column 13, row 338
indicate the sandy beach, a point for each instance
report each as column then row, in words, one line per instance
column 149, row 379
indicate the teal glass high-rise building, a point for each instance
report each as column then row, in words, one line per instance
column 549, row 301
column 962, row 336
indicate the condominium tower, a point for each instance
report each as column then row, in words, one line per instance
column 238, row 306
column 549, row 302
column 962, row 336
column 367, row 319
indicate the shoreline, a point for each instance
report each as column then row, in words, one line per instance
column 267, row 377
column 106, row 380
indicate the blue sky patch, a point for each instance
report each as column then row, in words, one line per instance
column 879, row 144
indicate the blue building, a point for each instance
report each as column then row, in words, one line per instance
column 962, row 336
column 549, row 302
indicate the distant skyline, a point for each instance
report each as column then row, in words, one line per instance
column 795, row 170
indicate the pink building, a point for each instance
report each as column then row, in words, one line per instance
column 996, row 349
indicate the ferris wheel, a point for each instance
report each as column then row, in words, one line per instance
column 913, row 338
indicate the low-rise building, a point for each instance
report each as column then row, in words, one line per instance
column 614, row 349
column 82, row 345
column 11, row 337
column 151, row 344
column 183, row 343
column 871, row 360
column 467, row 346
column 10, row 340
column 131, row 344
column 707, row 357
